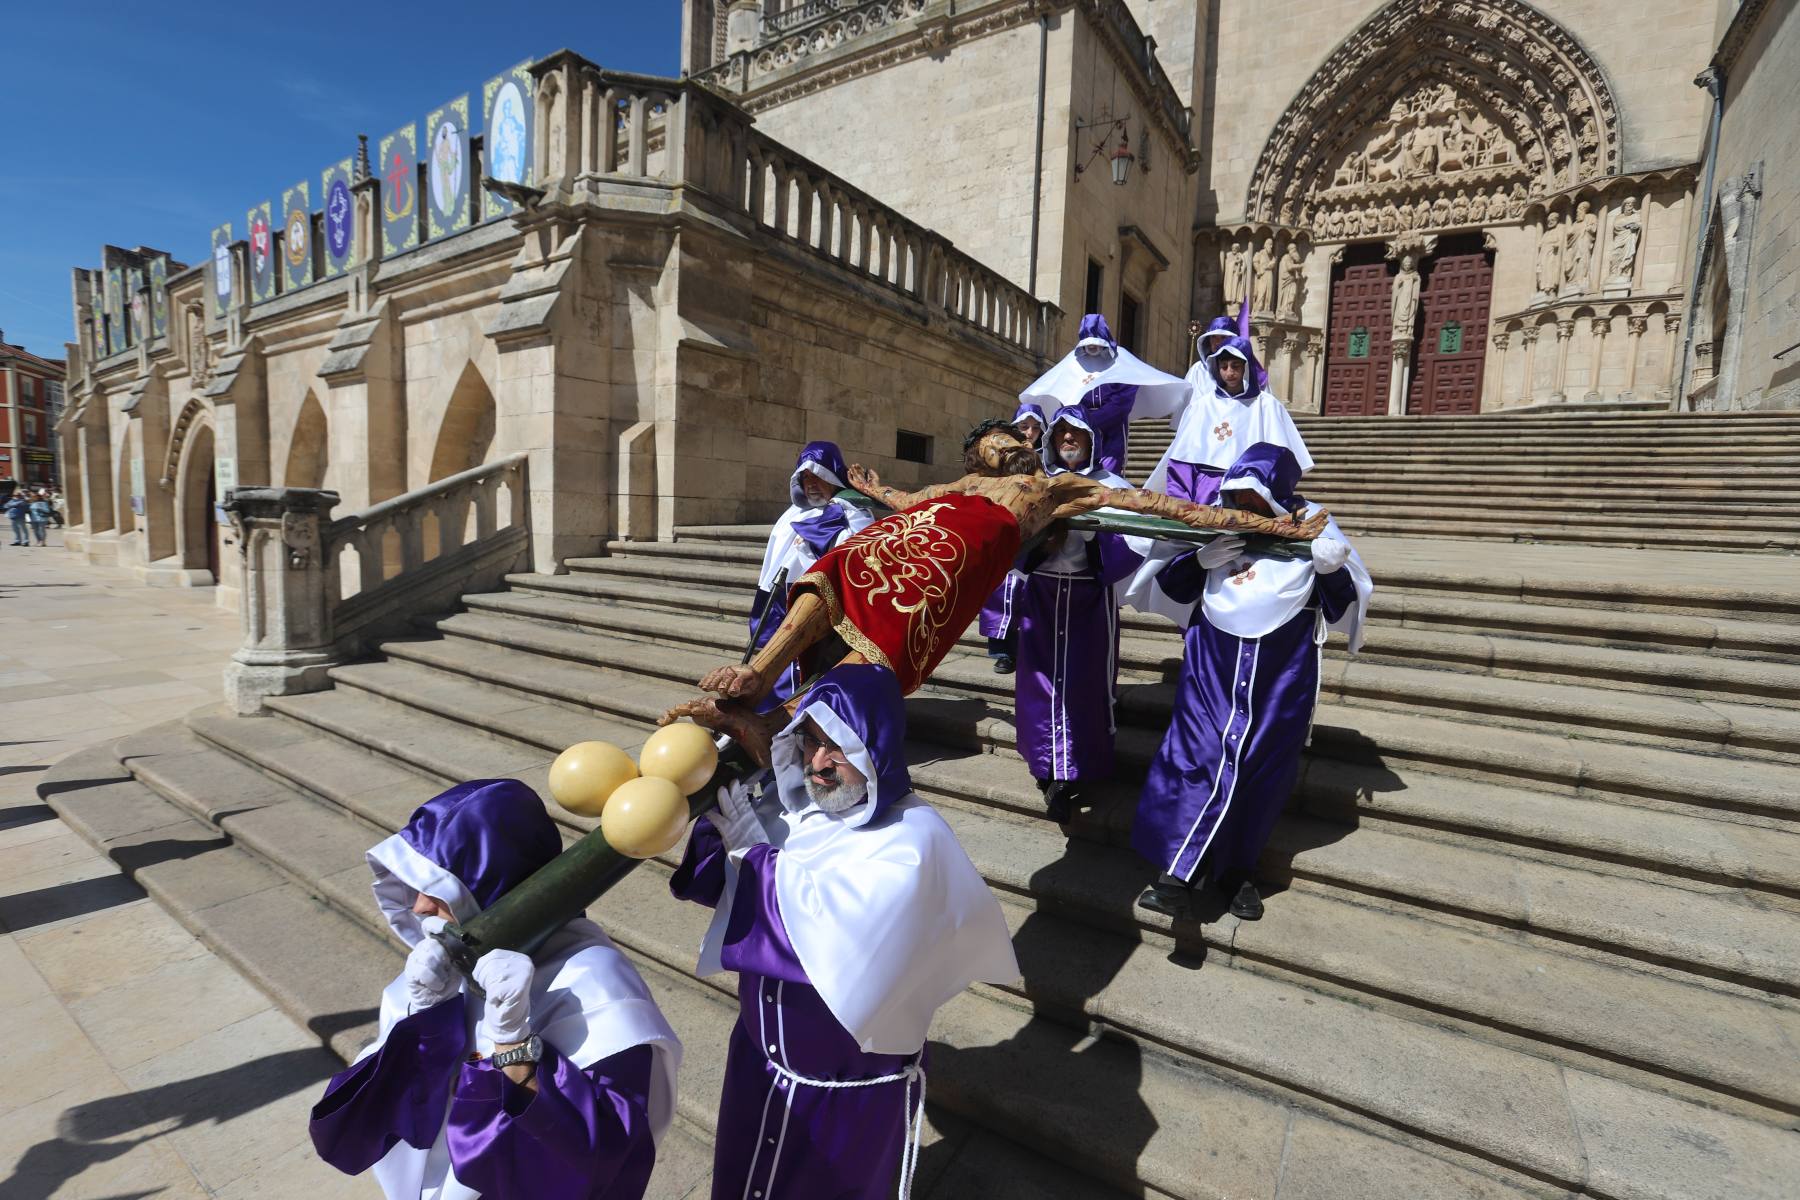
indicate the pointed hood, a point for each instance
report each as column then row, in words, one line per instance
column 467, row 847
column 1210, row 337
column 823, row 459
column 860, row 708
column 1239, row 346
column 1095, row 336
column 1269, row 470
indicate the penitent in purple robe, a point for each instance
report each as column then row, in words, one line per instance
column 1254, row 633
column 1110, row 384
column 777, row 1137
column 586, row 1133
column 1068, row 653
column 800, row 536
column 847, row 930
column 433, row 1125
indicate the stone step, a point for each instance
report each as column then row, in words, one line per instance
column 1150, row 646
column 280, row 911
column 1139, row 992
column 970, row 1033
column 1531, row 704
column 1392, row 608
column 1372, row 739
column 1403, row 565
column 1619, row 536
column 323, row 968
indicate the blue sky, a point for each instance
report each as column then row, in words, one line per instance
column 149, row 124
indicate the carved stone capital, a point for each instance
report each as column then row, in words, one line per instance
column 1565, row 329
column 1600, row 326
column 1637, row 325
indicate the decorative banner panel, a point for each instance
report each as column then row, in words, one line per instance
column 297, row 234
column 138, row 304
column 159, row 296
column 447, row 167
column 262, row 253
column 221, row 270
column 507, row 143
column 115, row 311
column 340, row 218
column 399, row 171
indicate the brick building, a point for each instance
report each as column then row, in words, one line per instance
column 31, row 392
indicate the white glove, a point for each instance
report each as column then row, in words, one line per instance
column 1220, row 551
column 431, row 977
column 736, row 819
column 1329, row 554
column 505, row 975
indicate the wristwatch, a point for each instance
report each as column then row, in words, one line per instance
column 527, row 1051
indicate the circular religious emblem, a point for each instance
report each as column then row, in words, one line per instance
column 446, row 167
column 337, row 218
column 259, row 243
column 506, row 134
column 222, row 271
column 299, row 227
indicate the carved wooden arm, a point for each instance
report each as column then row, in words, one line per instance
column 869, row 484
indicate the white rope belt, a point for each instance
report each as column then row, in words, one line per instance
column 915, row 1113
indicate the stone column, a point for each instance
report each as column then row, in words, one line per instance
column 1565, row 329
column 1635, row 327
column 1599, row 327
column 286, row 598
column 1399, row 377
column 1528, row 383
column 1671, row 330
column 1495, row 384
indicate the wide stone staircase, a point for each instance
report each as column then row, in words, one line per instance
column 1538, row 934
column 1721, row 481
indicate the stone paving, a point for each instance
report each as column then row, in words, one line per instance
column 138, row 1064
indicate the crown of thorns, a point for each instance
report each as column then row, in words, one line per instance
column 988, row 426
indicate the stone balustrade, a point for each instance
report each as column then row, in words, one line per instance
column 678, row 133
column 413, row 554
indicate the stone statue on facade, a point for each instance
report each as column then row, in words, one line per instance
column 1406, row 298
column 1578, row 251
column 1234, row 275
column 1419, row 152
column 1622, row 243
column 1549, row 256
column 1262, row 286
column 1293, row 279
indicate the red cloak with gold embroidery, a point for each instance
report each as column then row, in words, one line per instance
column 901, row 592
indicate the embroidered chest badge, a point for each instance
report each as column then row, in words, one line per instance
column 1240, row 577
column 1221, row 431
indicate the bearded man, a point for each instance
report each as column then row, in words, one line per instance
column 902, row 591
column 850, row 914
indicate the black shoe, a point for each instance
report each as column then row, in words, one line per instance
column 1059, row 798
column 1168, row 896
column 1004, row 665
column 1247, row 904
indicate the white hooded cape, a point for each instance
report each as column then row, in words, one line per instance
column 587, row 1001
column 889, row 918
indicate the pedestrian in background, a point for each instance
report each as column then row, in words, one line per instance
column 17, row 509
column 38, row 513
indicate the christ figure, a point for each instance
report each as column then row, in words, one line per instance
column 901, row 592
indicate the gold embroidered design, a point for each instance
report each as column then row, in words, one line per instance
column 909, row 562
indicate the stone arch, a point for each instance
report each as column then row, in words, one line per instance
column 1428, row 99
column 309, row 446
column 466, row 434
column 196, row 535
column 192, row 412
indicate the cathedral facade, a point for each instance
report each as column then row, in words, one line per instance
column 1430, row 206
